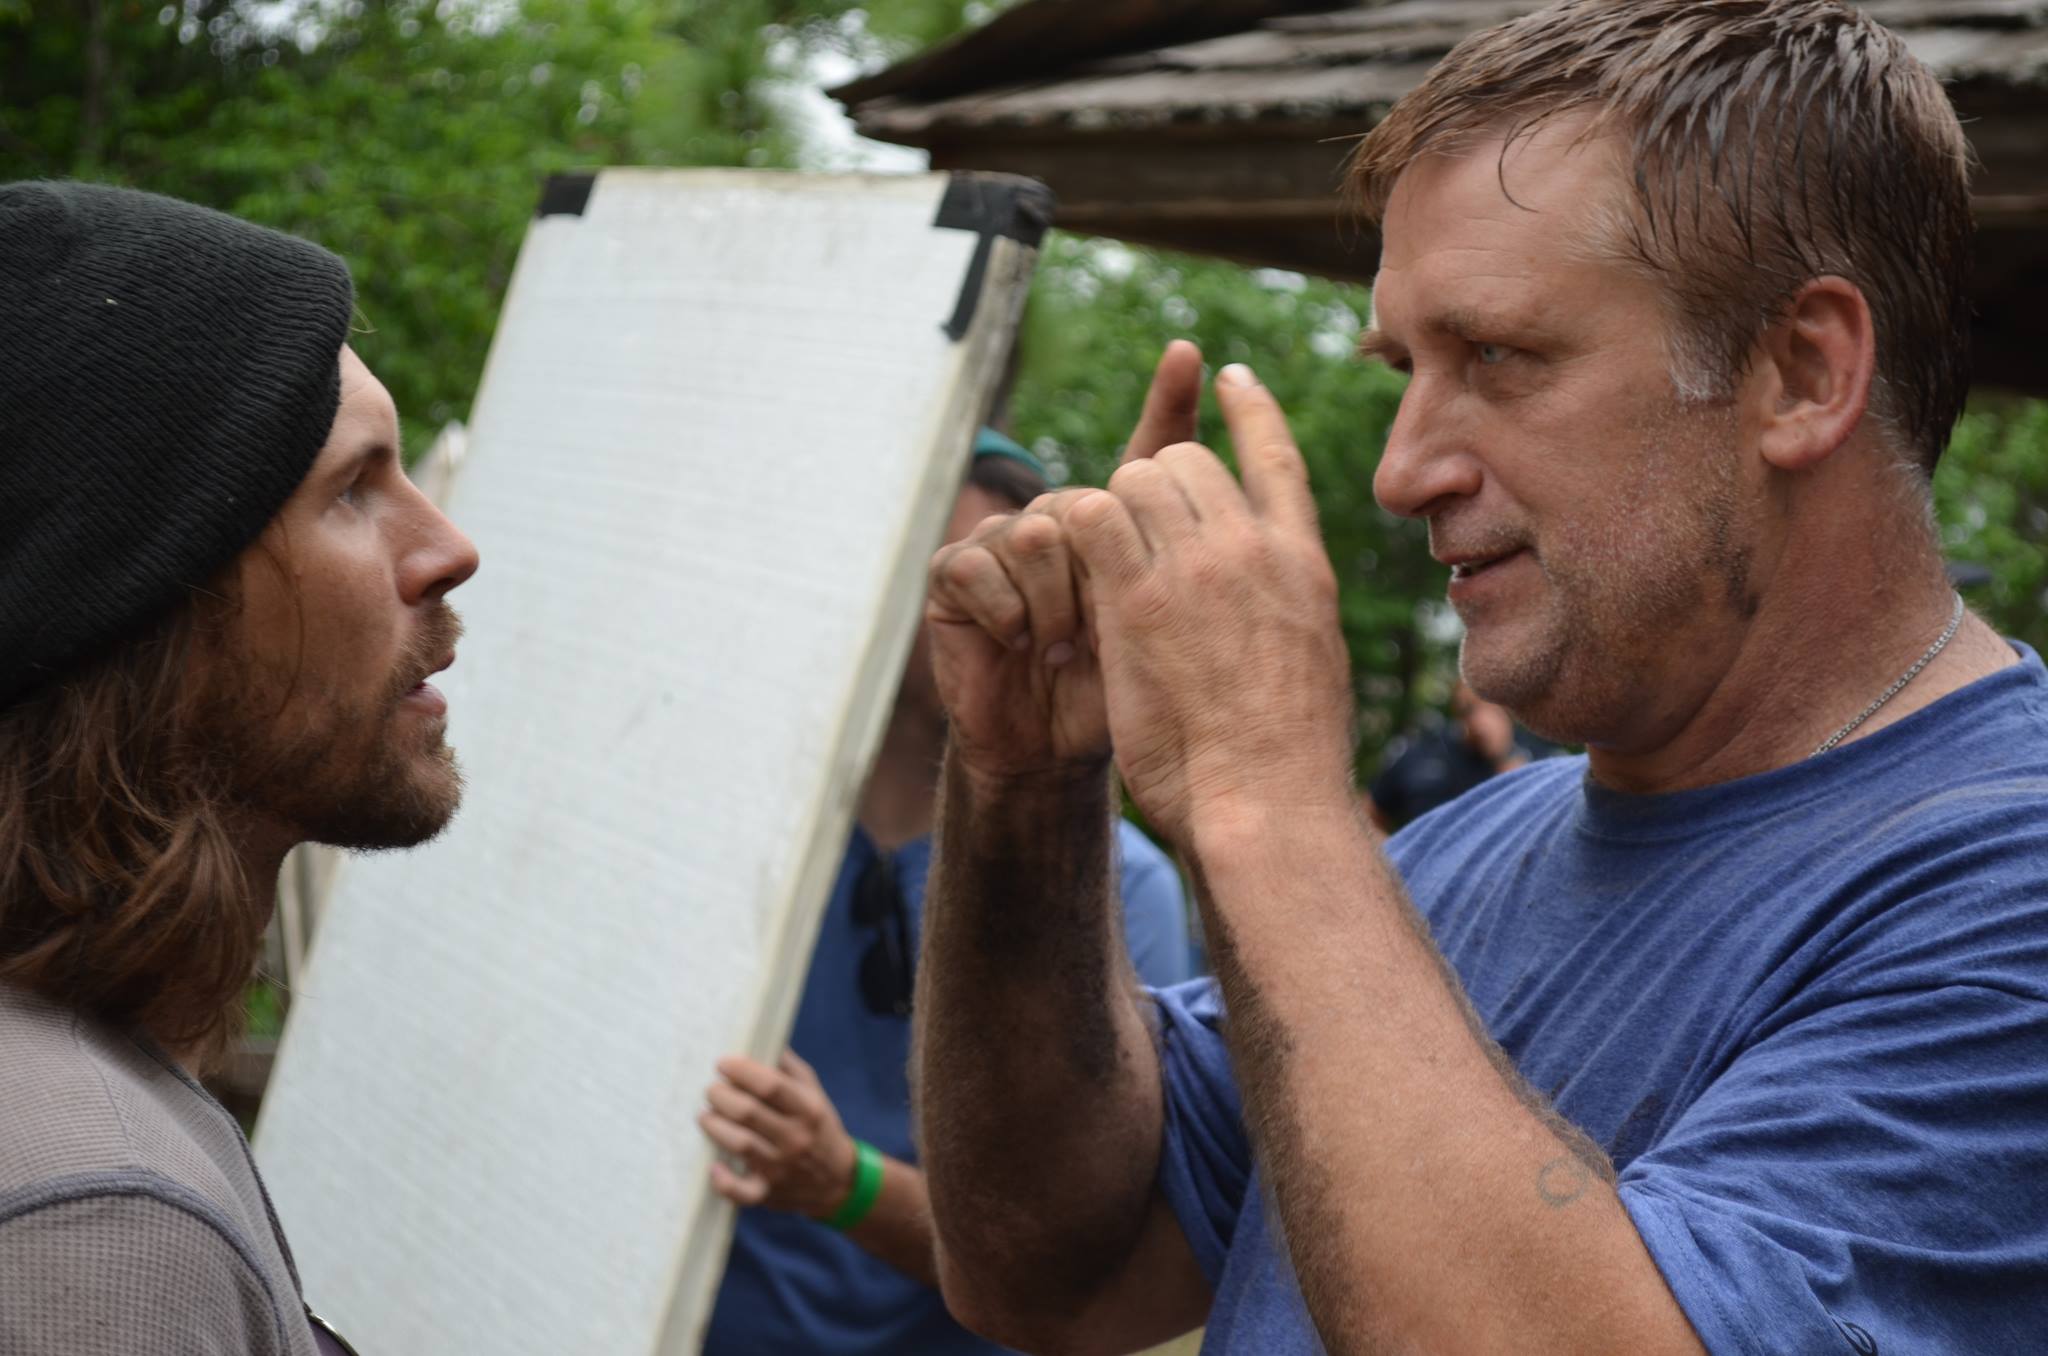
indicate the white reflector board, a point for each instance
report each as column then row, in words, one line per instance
column 718, row 437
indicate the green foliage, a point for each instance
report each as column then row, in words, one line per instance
column 263, row 1004
column 409, row 136
column 1991, row 495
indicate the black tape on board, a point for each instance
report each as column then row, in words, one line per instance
column 990, row 205
column 564, row 195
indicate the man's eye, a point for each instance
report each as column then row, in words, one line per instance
column 1492, row 355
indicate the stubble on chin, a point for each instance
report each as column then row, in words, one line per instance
column 352, row 777
column 1521, row 673
column 360, row 774
column 1618, row 591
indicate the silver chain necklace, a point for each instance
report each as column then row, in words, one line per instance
column 1955, row 620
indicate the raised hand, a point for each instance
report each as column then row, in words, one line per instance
column 1214, row 610
column 1007, row 614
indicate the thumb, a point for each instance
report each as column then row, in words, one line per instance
column 1172, row 403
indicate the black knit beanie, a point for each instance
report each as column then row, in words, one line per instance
column 167, row 376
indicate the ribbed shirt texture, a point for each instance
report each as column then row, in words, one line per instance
column 132, row 1219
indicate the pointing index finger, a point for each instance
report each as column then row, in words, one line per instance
column 1275, row 476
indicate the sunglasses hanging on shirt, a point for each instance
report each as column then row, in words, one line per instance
column 886, row 975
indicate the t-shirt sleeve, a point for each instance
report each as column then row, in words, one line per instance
column 117, row 1275
column 1871, row 1176
column 1206, row 1158
column 1155, row 910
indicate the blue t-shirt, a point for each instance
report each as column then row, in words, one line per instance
column 1806, row 1014
column 794, row 1287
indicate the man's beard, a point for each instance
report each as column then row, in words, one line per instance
column 347, row 771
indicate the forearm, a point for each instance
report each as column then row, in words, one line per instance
column 898, row 1229
column 1435, row 1202
column 1037, row 1083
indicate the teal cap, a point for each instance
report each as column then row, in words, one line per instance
column 989, row 443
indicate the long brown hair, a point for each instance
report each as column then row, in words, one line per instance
column 122, row 893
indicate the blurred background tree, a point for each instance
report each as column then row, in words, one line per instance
column 412, row 136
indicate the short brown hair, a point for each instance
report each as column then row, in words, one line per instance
column 1772, row 142
column 122, row 892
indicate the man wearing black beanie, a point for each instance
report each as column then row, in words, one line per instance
column 220, row 603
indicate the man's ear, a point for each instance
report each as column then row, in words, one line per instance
column 1817, row 362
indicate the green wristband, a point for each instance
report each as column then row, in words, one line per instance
column 867, row 1187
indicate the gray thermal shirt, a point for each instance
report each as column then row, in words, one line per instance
column 131, row 1217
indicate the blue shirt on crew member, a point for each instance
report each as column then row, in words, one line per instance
column 1806, row 1014
column 792, row 1286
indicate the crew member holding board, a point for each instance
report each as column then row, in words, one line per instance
column 221, row 602
column 834, row 1253
column 1724, row 1037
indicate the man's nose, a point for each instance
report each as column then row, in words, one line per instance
column 443, row 557
column 1428, row 459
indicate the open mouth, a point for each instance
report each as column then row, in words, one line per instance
column 425, row 686
column 1472, row 569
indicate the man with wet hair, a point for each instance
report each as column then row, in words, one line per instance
column 221, row 601
column 1723, row 1037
